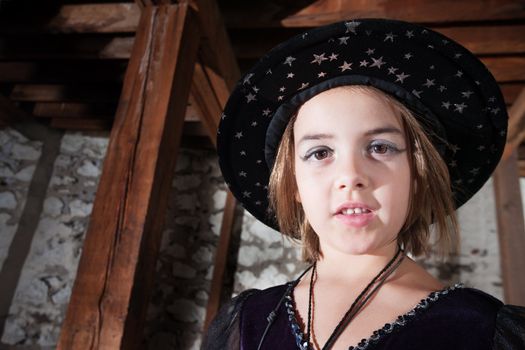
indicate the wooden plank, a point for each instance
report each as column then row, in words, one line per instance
column 516, row 131
column 73, row 109
column 221, row 255
column 205, row 98
column 68, row 46
column 9, row 112
column 62, row 71
column 73, row 18
column 72, row 93
column 511, row 92
column 110, row 296
column 511, row 229
column 84, row 124
column 275, row 14
column 506, row 69
column 217, row 53
column 488, row 39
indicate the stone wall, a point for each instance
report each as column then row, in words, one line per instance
column 184, row 268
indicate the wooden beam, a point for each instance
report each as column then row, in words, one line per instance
column 52, row 46
column 207, row 101
column 511, row 92
column 62, row 71
column 85, row 124
column 516, row 131
column 511, row 229
column 66, row 93
column 73, row 109
column 251, row 43
column 111, row 292
column 75, row 18
column 221, row 255
column 506, row 69
column 321, row 12
column 9, row 112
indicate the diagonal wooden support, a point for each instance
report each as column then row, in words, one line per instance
column 511, row 229
column 110, row 296
column 516, row 133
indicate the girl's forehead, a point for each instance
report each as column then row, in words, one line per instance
column 343, row 110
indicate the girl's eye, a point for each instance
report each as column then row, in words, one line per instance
column 383, row 148
column 318, row 154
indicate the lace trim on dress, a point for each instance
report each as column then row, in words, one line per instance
column 388, row 328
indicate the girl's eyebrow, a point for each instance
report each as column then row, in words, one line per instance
column 384, row 130
column 376, row 131
column 315, row 137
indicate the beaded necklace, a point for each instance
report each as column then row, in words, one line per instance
column 358, row 303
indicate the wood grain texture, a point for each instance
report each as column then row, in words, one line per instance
column 111, row 291
column 511, row 229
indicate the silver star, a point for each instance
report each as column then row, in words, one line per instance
column 289, row 60
column 481, row 148
column 343, row 40
column 282, row 88
column 257, row 202
column 480, row 126
column 346, row 66
column 238, row 134
column 474, row 171
column 370, row 51
column 392, row 70
column 319, row 58
column 223, row 116
column 401, row 77
column 429, row 83
column 246, row 194
column 242, row 174
column 408, row 56
column 290, row 75
column 459, row 74
column 467, row 94
column 417, row 93
column 453, row 164
column 377, row 62
column 363, row 63
column 255, row 89
column 494, row 110
column 454, row 148
column 254, row 124
column 266, row 112
column 269, row 71
column 243, row 153
column 409, row 33
column 303, row 86
column 351, row 26
column 459, row 107
column 445, row 104
column 247, row 78
column 492, row 99
column 390, row 36
column 442, row 88
column 321, row 74
column 458, row 55
column 333, row 56
column 250, row 97
column 257, row 184
column 259, row 161
column 280, row 98
column 445, row 41
column 431, row 67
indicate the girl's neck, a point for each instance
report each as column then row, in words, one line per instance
column 337, row 267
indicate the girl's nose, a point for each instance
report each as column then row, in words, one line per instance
column 351, row 174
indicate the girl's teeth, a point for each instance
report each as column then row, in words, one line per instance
column 351, row 211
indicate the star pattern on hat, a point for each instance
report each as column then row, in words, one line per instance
column 360, row 49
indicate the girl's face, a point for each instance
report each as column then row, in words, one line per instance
column 352, row 171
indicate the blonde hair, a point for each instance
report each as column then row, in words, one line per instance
column 431, row 202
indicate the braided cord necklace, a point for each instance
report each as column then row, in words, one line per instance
column 358, row 303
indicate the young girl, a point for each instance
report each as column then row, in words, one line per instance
column 354, row 139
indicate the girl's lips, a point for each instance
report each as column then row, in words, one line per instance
column 356, row 220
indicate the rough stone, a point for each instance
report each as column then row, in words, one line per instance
column 7, row 200
column 13, row 333
column 186, row 310
column 203, row 255
column 80, row 208
column 71, row 143
column 26, row 174
column 25, row 152
column 5, row 171
column 219, row 198
column 183, row 271
column 88, row 169
column 62, row 296
column 186, row 182
column 53, row 206
column 62, row 180
column 186, row 201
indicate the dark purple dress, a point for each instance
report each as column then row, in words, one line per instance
column 453, row 318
